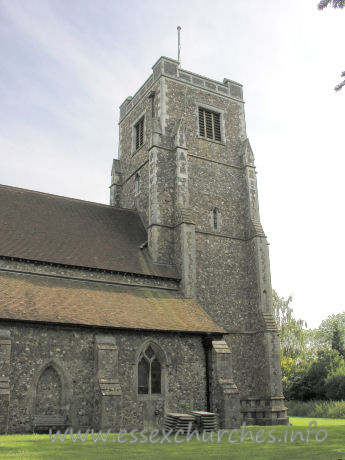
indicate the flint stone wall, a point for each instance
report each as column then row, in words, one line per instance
column 72, row 349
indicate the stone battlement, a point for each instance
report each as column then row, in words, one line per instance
column 169, row 67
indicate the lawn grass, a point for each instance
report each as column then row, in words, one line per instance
column 22, row 447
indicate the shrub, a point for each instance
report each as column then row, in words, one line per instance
column 335, row 386
column 310, row 384
column 329, row 409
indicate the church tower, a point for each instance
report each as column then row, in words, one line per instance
column 186, row 165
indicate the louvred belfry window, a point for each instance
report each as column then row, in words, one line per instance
column 209, row 124
column 139, row 133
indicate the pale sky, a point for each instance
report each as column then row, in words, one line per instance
column 67, row 65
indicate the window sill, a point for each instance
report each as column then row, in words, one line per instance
column 136, row 151
column 150, row 397
column 211, row 140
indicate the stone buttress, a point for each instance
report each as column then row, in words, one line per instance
column 269, row 408
column 107, row 387
column 5, row 368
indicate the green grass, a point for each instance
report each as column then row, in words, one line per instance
column 22, row 447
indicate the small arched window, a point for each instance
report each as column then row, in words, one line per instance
column 215, row 218
column 149, row 372
column 137, row 184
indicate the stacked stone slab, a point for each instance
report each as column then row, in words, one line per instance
column 205, row 421
column 179, row 422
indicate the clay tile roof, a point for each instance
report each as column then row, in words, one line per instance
column 49, row 228
column 55, row 300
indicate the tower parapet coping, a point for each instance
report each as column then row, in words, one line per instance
column 169, row 67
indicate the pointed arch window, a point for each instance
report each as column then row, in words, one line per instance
column 137, row 184
column 149, row 372
column 215, row 218
column 209, row 124
column 139, row 134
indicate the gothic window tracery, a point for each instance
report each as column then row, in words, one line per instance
column 149, row 372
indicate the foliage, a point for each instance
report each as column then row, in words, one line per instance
column 316, row 408
column 291, row 330
column 334, row 3
column 328, row 362
column 330, row 334
column 292, row 340
column 312, row 382
column 335, row 386
column 341, row 84
column 312, row 362
column 337, row 339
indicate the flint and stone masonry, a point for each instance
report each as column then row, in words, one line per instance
column 184, row 177
column 112, row 316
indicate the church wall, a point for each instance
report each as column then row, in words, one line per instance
column 249, row 358
column 138, row 201
column 212, row 186
column 226, row 269
column 227, row 291
column 73, row 350
column 224, row 287
column 133, row 161
column 183, row 102
column 33, row 346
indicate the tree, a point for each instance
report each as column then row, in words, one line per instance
column 312, row 382
column 335, row 386
column 337, row 340
column 292, row 338
column 330, row 334
column 335, row 4
column 341, row 84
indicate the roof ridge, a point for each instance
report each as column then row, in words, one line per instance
column 19, row 189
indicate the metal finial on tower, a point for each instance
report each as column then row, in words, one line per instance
column 179, row 46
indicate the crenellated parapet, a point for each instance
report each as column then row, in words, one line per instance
column 168, row 67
